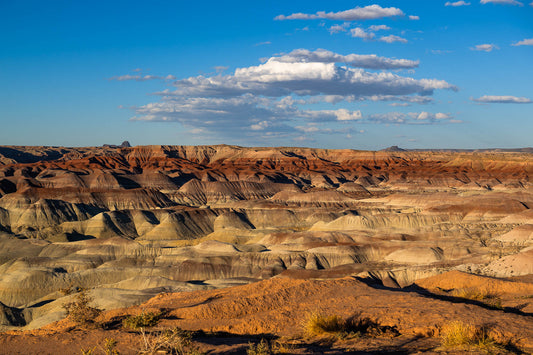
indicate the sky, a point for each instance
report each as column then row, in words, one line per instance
column 339, row 74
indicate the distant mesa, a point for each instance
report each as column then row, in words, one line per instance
column 124, row 144
column 393, row 148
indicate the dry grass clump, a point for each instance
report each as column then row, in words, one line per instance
column 460, row 334
column 171, row 341
column 318, row 324
column 110, row 347
column 261, row 348
column 490, row 298
column 79, row 310
column 143, row 320
column 275, row 346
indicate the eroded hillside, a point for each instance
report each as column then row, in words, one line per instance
column 130, row 223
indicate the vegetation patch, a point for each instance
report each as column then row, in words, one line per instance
column 171, row 341
column 79, row 310
column 318, row 324
column 458, row 334
column 261, row 348
column 143, row 320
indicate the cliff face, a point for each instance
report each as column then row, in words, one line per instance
column 118, row 218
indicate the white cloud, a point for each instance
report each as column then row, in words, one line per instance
column 142, row 77
column 408, row 99
column 314, row 128
column 275, row 78
column 367, row 61
column 270, row 100
column 457, row 3
column 400, row 104
column 485, row 47
column 375, row 28
column 337, row 29
column 360, row 33
column 424, row 118
column 525, row 42
column 370, row 12
column 345, row 115
column 503, row 2
column 334, row 99
column 392, row 39
column 260, row 126
column 503, row 99
column 414, row 18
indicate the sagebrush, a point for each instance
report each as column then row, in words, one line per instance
column 80, row 311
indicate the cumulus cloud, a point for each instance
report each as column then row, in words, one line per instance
column 485, row 47
column 375, row 28
column 142, row 77
column 271, row 99
column 369, row 34
column 275, row 78
column 414, row 18
column 370, row 12
column 503, row 2
column 392, row 39
column 503, row 99
column 361, row 33
column 457, row 3
column 337, row 29
column 366, row 61
column 525, row 42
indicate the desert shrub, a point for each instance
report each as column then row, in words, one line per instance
column 79, row 310
column 366, row 326
column 68, row 289
column 172, row 341
column 281, row 346
column 460, row 334
column 110, row 347
column 318, row 324
column 261, row 348
column 148, row 319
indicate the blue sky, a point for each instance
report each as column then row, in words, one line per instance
column 343, row 74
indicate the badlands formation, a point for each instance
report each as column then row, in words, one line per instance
column 259, row 238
